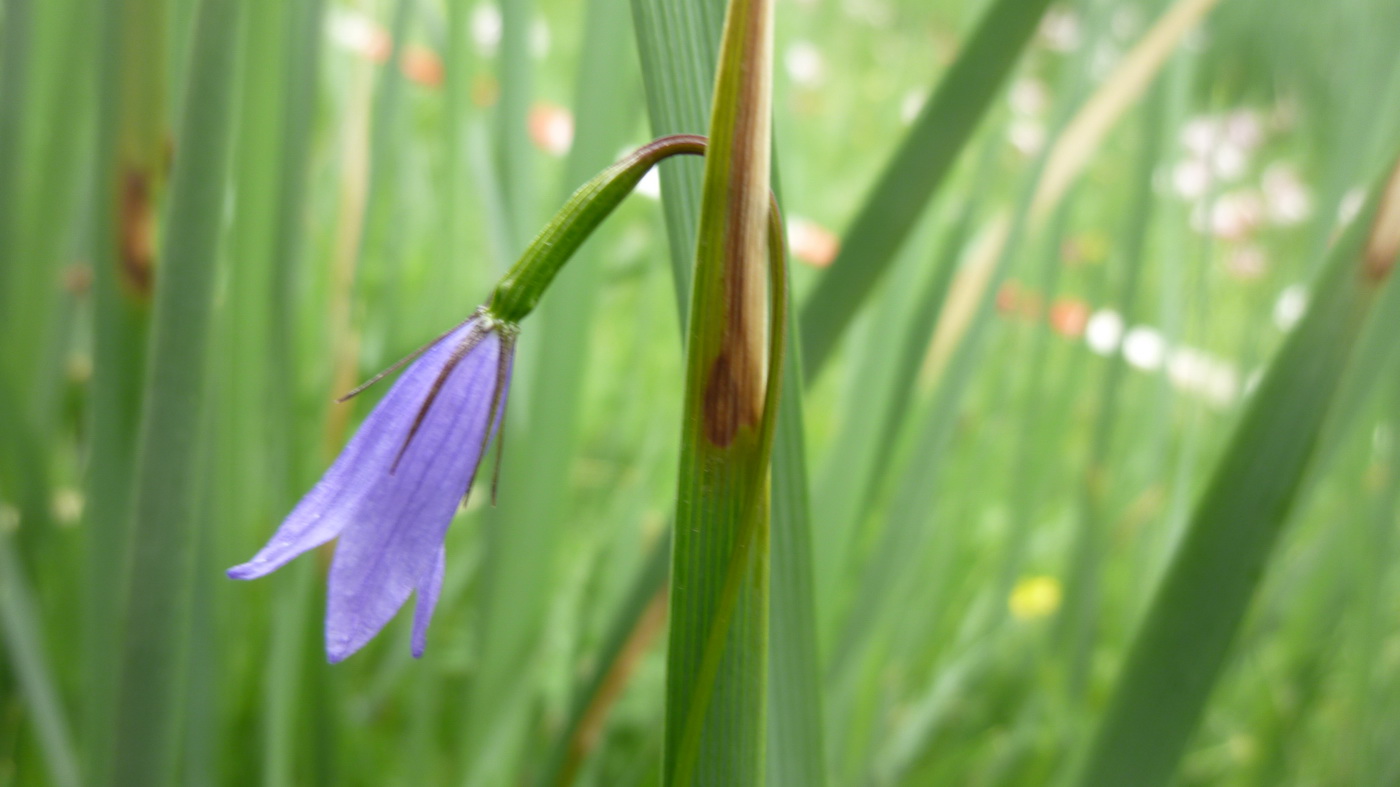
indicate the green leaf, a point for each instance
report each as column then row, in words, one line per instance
column 121, row 317
column 677, row 41
column 716, row 688
column 1183, row 642
column 24, row 647
column 159, row 570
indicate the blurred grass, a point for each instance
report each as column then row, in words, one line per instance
column 1202, row 599
column 159, row 574
column 370, row 203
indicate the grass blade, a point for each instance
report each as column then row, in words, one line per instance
column 717, row 662
column 796, row 746
column 636, row 622
column 121, row 321
column 159, row 575
column 24, row 646
column 677, row 42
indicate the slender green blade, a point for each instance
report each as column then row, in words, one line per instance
column 629, row 628
column 521, row 579
column 159, row 571
column 1194, row 616
column 796, row 741
column 121, row 318
column 716, row 687
column 514, row 159
column 24, row 647
column 1078, row 621
column 677, row 41
column 914, row 173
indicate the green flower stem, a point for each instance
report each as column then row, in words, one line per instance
column 527, row 280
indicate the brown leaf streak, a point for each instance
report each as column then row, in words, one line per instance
column 1383, row 244
column 136, row 231
column 734, row 392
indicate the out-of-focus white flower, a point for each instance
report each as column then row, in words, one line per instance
column 1288, row 200
column 805, row 64
column 1232, row 216
column 1247, row 262
column 1229, row 160
column 1103, row 332
column 1059, row 29
column 1201, row 135
column 486, row 28
column 1191, row 178
column 540, row 39
column 1202, row 373
column 1028, row 97
column 1244, row 128
column 1350, row 205
column 551, row 128
column 1290, row 306
column 1026, row 135
column 1145, row 348
column 912, row 104
column 358, row 33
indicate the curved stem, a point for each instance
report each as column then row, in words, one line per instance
column 518, row 292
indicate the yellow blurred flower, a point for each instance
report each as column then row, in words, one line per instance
column 1035, row 597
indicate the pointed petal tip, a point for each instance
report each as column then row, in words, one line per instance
column 338, row 651
column 245, row 571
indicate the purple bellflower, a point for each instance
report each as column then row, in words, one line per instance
column 391, row 493
column 394, row 489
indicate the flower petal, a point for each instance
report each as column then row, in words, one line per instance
column 401, row 518
column 428, row 591
column 337, row 498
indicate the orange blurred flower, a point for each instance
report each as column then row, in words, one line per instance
column 811, row 242
column 1069, row 316
column 551, row 128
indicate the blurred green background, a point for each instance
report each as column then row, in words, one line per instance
column 1003, row 447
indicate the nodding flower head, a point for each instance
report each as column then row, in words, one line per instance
column 392, row 492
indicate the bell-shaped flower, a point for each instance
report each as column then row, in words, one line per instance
column 391, row 494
